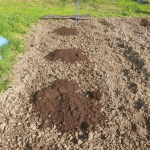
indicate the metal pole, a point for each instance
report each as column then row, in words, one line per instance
column 76, row 13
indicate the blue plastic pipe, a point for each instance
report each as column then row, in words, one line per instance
column 2, row 41
column 76, row 13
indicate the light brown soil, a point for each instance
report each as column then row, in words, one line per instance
column 118, row 50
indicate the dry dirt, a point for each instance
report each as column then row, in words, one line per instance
column 118, row 52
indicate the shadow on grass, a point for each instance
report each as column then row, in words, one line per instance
column 142, row 12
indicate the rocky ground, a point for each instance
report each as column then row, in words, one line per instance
column 118, row 52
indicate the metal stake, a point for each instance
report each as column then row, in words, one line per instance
column 76, row 13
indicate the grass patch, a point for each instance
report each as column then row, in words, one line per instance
column 9, row 58
column 17, row 16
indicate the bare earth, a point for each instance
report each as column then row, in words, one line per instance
column 118, row 51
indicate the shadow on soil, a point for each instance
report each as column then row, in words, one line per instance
column 138, row 105
column 134, row 58
column 147, row 120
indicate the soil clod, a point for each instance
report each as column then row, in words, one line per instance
column 133, row 87
column 97, row 95
column 145, row 22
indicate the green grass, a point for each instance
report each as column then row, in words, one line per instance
column 16, row 16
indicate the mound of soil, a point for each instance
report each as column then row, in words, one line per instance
column 145, row 22
column 67, row 55
column 59, row 104
column 64, row 31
